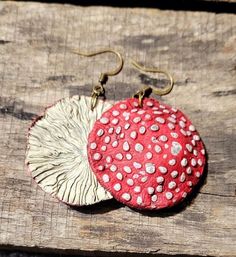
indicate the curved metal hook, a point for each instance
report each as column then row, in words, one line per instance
column 157, row 91
column 104, row 75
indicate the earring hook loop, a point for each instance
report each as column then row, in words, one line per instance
column 157, row 91
column 99, row 89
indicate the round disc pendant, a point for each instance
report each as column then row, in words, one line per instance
column 149, row 157
column 57, row 151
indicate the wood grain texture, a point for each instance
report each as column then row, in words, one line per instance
column 37, row 68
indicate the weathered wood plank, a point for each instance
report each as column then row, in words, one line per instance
column 38, row 68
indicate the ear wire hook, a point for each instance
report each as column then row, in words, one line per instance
column 99, row 89
column 158, row 91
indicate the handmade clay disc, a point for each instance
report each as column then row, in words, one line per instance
column 149, row 157
column 57, row 151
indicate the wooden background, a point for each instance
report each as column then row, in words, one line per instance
column 37, row 68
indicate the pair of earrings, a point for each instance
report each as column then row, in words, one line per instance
column 145, row 154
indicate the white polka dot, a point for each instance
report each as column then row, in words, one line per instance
column 115, row 144
column 142, row 172
column 196, row 138
column 189, row 133
column 97, row 156
column 118, row 130
column 115, row 121
column 137, row 189
column 123, row 106
column 104, row 120
column 159, row 188
column 190, row 183
column 171, row 126
column 171, row 119
column 144, row 179
column 115, row 113
column 117, row 187
column 182, row 124
column 122, row 135
column 174, row 110
column 160, row 120
column 166, row 146
column 108, row 159
column 174, row 174
column 191, row 128
column 203, row 151
column 107, row 139
column 150, row 190
column 138, row 147
column 171, row 185
column 195, row 152
column 93, row 146
column 129, row 156
column 193, row 142
column 163, row 138
column 184, row 194
column 135, row 176
column 119, row 156
column 177, row 190
column 176, row 148
column 127, row 169
column 157, row 149
column 110, row 130
column 150, row 168
column 169, row 195
column 126, row 196
column 162, row 169
column 139, row 200
column 113, row 168
column 149, row 103
column 183, row 132
column 154, row 127
column 136, row 119
column 103, row 148
column 119, row 176
column 100, row 132
column 105, row 178
column 154, row 198
column 198, row 174
column 193, row 162
column 189, row 171
column 126, row 146
column 130, row 182
column 189, row 148
column 174, row 135
column 133, row 134
column 172, row 162
column 149, row 155
column 127, row 125
column 160, row 179
column 101, row 167
column 147, row 117
column 182, row 177
column 137, row 165
column 199, row 162
column 184, row 162
column 142, row 130
column 183, row 119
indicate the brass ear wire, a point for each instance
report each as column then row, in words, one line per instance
column 99, row 90
column 158, row 91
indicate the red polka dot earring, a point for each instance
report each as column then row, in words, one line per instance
column 56, row 154
column 147, row 154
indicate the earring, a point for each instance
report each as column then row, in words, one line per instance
column 153, row 156
column 56, row 154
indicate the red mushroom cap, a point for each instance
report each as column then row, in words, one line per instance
column 149, row 157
